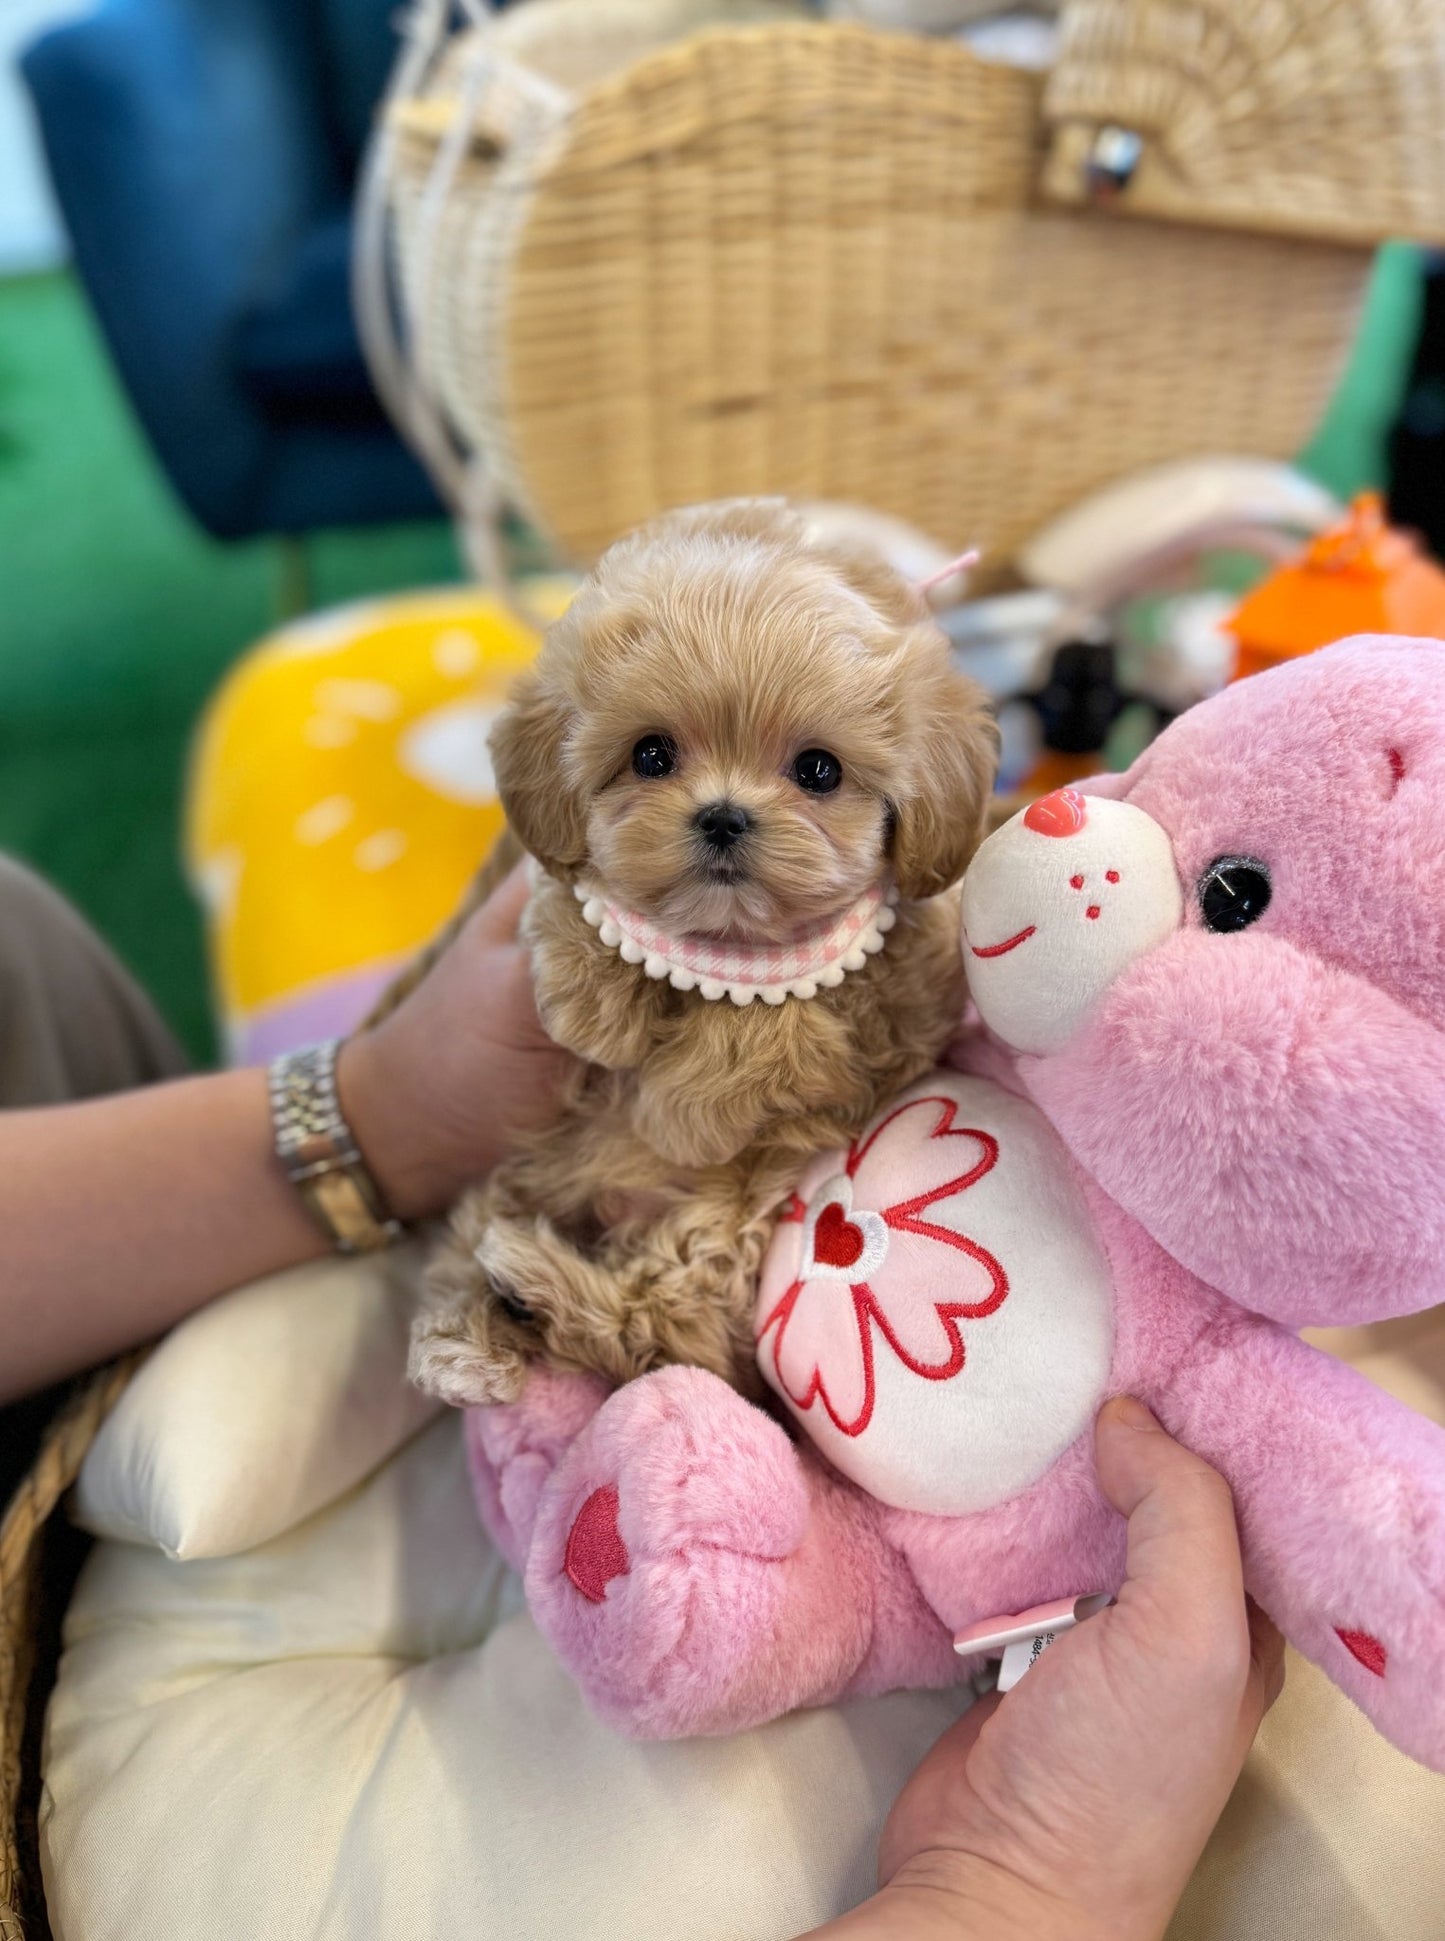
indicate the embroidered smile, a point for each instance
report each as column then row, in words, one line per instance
column 1003, row 949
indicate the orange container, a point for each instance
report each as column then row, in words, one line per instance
column 1363, row 576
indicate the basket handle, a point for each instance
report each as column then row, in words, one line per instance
column 402, row 375
column 423, row 32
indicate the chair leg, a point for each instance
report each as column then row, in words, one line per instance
column 293, row 577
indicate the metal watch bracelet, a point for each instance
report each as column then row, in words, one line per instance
column 319, row 1151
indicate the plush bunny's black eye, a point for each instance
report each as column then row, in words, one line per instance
column 654, row 755
column 817, row 771
column 1234, row 892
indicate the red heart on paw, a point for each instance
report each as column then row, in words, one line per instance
column 1369, row 1651
column 595, row 1550
column 837, row 1240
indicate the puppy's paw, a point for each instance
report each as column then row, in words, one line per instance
column 466, row 1349
column 575, row 1312
column 525, row 1265
column 457, row 1370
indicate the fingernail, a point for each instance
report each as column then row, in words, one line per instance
column 1132, row 1414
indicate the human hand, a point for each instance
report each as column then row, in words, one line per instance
column 438, row 1091
column 1078, row 1805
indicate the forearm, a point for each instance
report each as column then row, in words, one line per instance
column 125, row 1213
column 120, row 1215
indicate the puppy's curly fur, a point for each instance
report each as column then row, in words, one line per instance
column 630, row 1232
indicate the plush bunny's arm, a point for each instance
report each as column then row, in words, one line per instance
column 1340, row 1494
column 1228, row 1094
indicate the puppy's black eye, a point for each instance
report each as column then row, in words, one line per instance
column 1234, row 892
column 817, row 771
column 654, row 755
column 514, row 1309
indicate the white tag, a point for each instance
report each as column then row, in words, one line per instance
column 1025, row 1638
column 1022, row 1657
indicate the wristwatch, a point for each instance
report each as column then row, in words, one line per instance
column 319, row 1151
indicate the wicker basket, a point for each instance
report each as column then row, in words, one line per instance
column 1305, row 117
column 461, row 107
column 39, row 1556
column 812, row 259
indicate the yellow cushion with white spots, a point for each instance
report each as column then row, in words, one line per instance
column 342, row 798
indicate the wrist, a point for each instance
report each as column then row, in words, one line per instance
column 966, row 1897
column 317, row 1147
column 392, row 1128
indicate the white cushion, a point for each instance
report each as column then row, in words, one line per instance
column 258, row 1410
column 356, row 1730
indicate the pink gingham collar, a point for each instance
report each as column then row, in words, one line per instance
column 812, row 959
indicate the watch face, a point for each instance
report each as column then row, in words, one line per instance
column 338, row 1198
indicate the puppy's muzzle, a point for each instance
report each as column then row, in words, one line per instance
column 722, row 825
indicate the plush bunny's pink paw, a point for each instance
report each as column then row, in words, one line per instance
column 659, row 1562
column 513, row 1448
column 1340, row 1493
column 1392, row 1672
column 1382, row 1640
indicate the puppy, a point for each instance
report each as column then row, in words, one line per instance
column 747, row 772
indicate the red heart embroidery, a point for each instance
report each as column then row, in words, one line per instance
column 595, row 1551
column 1370, row 1652
column 837, row 1240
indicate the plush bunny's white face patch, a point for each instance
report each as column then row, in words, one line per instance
column 1055, row 905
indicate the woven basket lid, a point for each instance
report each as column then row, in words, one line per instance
column 1306, row 117
column 810, row 259
column 567, row 44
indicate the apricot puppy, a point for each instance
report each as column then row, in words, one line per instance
column 748, row 774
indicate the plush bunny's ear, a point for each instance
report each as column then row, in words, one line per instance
column 938, row 826
column 541, row 802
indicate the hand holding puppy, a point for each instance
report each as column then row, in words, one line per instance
column 438, row 1091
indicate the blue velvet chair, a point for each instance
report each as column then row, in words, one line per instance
column 204, row 153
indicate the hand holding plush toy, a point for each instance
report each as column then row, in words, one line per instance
column 1206, row 1107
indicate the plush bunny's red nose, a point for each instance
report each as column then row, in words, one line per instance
column 1061, row 814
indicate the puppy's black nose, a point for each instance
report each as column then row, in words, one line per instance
column 721, row 824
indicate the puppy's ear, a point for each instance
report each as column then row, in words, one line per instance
column 541, row 804
column 939, row 823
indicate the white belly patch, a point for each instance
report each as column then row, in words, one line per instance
column 935, row 1308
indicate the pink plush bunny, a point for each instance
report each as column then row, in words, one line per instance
column 1205, row 1107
